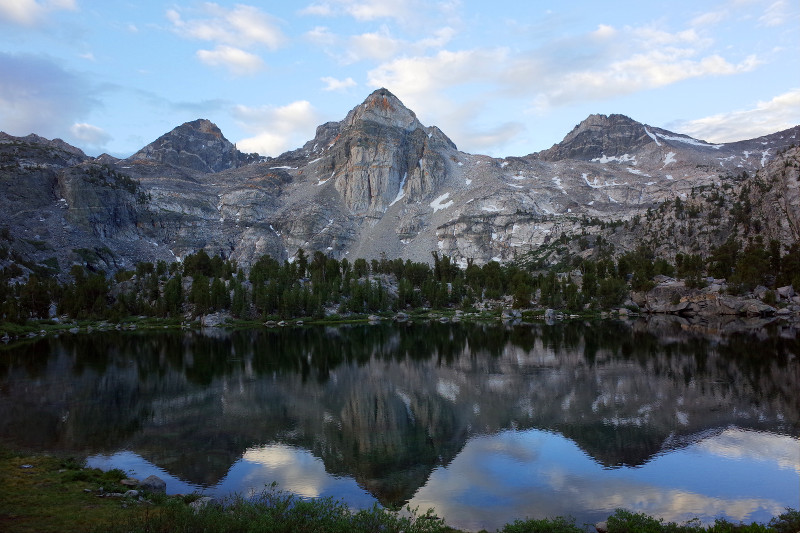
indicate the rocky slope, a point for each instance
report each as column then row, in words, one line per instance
column 378, row 182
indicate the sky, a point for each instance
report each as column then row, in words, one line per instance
column 501, row 78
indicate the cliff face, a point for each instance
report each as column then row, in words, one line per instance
column 380, row 182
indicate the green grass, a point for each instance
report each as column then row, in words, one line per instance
column 279, row 512
column 51, row 496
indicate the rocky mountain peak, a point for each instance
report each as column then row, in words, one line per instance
column 386, row 109
column 197, row 145
column 599, row 135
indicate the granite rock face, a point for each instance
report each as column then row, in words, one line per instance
column 380, row 183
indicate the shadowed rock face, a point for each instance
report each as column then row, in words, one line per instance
column 597, row 136
column 379, row 183
column 198, row 145
column 388, row 405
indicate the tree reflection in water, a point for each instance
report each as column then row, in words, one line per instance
column 389, row 404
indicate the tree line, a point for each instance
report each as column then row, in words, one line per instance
column 319, row 285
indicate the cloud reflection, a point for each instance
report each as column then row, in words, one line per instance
column 737, row 443
column 499, row 478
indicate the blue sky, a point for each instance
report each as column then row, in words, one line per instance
column 500, row 78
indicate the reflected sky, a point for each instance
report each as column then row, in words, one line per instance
column 293, row 469
column 537, row 474
column 738, row 474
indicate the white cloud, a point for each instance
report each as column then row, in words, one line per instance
column 376, row 46
column 423, row 77
column 237, row 61
column 707, row 19
column 32, row 12
column 242, row 26
column 780, row 113
column 776, row 14
column 365, row 10
column 89, row 134
column 276, row 129
column 333, row 84
column 410, row 13
column 639, row 72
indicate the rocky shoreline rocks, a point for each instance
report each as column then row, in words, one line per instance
column 672, row 296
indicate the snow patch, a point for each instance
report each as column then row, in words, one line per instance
column 504, row 164
column 557, row 181
column 638, row 172
column 516, row 186
column 441, row 203
column 323, row 182
column 652, row 136
column 594, row 184
column 688, row 140
column 283, row 168
column 669, row 176
column 401, row 192
column 670, row 158
column 764, row 157
column 617, row 158
column 468, row 181
column 490, row 208
column 314, row 161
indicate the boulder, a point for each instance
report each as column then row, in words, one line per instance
column 215, row 320
column 757, row 308
column 203, row 502
column 153, row 484
column 786, row 292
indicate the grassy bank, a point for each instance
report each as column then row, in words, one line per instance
column 49, row 494
column 36, row 328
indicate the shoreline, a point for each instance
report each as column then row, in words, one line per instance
column 11, row 333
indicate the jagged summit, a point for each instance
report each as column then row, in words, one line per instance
column 386, row 109
column 198, row 145
column 599, row 135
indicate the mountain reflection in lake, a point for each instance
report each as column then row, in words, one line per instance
column 483, row 423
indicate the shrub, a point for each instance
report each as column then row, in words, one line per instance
column 546, row 525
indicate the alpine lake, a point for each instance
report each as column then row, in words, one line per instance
column 484, row 423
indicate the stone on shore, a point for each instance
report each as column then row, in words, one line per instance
column 153, row 484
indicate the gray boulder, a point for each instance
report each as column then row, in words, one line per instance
column 203, row 502
column 153, row 484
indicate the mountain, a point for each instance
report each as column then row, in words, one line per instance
column 380, row 183
column 197, row 145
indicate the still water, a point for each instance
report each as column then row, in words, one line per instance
column 483, row 423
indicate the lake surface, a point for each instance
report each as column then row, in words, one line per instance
column 483, row 423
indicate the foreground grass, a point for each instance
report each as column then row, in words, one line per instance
column 43, row 493
column 48, row 494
